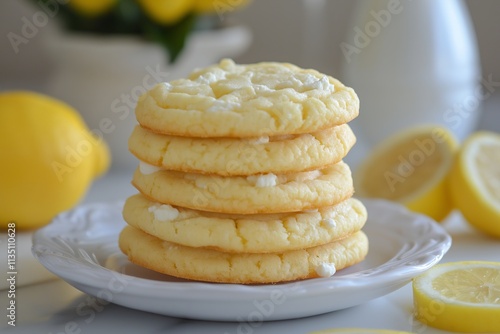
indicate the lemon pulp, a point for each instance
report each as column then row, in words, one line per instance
column 459, row 296
column 411, row 167
column 475, row 181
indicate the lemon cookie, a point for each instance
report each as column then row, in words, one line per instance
column 214, row 266
column 266, row 193
column 245, row 233
column 264, row 99
column 232, row 156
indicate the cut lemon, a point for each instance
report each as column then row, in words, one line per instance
column 459, row 297
column 358, row 331
column 411, row 167
column 475, row 181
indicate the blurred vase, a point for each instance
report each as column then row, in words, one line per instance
column 103, row 77
column 412, row 62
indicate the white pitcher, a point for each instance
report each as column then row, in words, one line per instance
column 412, row 62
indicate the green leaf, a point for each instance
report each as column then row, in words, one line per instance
column 173, row 38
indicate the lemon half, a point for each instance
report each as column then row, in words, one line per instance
column 459, row 297
column 411, row 167
column 475, row 181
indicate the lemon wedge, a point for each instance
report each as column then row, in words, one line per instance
column 358, row 331
column 459, row 296
column 411, row 167
column 475, row 181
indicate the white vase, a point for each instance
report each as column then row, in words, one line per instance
column 412, row 62
column 103, row 77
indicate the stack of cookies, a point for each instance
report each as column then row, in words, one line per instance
column 241, row 177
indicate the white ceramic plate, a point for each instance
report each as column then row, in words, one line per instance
column 80, row 246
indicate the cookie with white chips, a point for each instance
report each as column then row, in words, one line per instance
column 243, row 156
column 241, row 176
column 264, row 193
column 244, row 268
column 242, row 101
column 233, row 233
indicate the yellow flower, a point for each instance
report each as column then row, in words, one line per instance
column 92, row 7
column 218, row 6
column 167, row 11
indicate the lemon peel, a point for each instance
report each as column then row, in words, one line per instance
column 49, row 158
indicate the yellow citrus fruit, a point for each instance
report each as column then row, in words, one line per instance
column 475, row 181
column 411, row 167
column 459, row 297
column 358, row 331
column 167, row 11
column 92, row 7
column 49, row 158
column 218, row 6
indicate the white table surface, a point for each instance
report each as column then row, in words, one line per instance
column 51, row 306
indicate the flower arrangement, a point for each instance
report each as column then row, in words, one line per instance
column 168, row 22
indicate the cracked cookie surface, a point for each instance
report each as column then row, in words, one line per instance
column 232, row 100
column 244, row 268
column 235, row 156
column 266, row 193
column 246, row 233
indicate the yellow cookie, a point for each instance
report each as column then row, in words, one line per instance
column 233, row 156
column 214, row 266
column 267, row 193
column 245, row 233
column 264, row 99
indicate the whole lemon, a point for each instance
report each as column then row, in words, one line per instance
column 49, row 158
